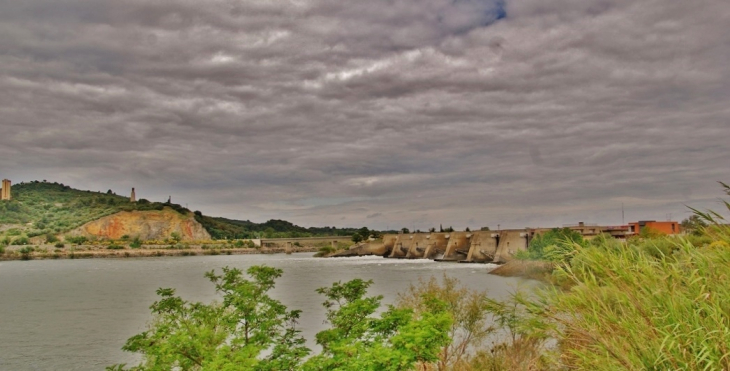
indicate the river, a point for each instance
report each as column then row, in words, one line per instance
column 77, row 314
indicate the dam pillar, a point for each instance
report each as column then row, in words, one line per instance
column 458, row 246
column 510, row 242
column 437, row 243
column 5, row 190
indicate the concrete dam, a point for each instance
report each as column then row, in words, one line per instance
column 464, row 247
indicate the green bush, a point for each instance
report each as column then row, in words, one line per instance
column 554, row 245
column 361, row 337
column 136, row 243
column 115, row 247
column 25, row 252
column 13, row 232
column 76, row 240
column 59, row 245
column 21, row 241
column 50, row 238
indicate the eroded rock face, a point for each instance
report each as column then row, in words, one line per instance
column 147, row 225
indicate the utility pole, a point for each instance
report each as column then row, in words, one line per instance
column 622, row 213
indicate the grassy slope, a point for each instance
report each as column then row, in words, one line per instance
column 41, row 207
column 55, row 208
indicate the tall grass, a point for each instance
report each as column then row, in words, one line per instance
column 630, row 310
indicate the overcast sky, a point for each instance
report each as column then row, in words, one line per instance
column 383, row 113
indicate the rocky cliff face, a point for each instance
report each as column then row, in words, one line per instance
column 147, row 225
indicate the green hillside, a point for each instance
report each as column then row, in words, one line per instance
column 220, row 228
column 40, row 208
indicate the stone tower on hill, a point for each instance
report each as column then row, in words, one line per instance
column 6, row 190
column 133, row 197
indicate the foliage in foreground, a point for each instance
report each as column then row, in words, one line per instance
column 557, row 244
column 251, row 331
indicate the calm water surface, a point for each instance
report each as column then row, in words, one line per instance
column 77, row 314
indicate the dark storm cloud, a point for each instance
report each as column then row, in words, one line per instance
column 380, row 113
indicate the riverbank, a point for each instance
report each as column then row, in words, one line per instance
column 537, row 270
column 103, row 251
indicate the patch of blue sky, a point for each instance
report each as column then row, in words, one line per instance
column 491, row 11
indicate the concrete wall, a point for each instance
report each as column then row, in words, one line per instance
column 483, row 247
column 389, row 241
column 419, row 244
column 509, row 243
column 458, row 246
column 437, row 243
column 401, row 246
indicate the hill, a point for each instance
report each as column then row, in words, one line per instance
column 40, row 208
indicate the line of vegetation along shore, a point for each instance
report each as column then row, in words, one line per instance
column 118, row 251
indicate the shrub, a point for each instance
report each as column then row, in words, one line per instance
column 50, row 238
column 25, row 252
column 21, row 241
column 136, row 243
column 59, row 245
column 554, row 245
column 76, row 240
column 115, row 247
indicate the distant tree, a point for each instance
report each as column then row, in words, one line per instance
column 441, row 228
column 405, row 230
column 109, row 192
column 356, row 238
column 364, row 232
column 694, row 224
column 484, row 229
column 467, row 229
column 432, row 230
column 450, row 229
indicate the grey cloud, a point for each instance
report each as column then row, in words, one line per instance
column 426, row 111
